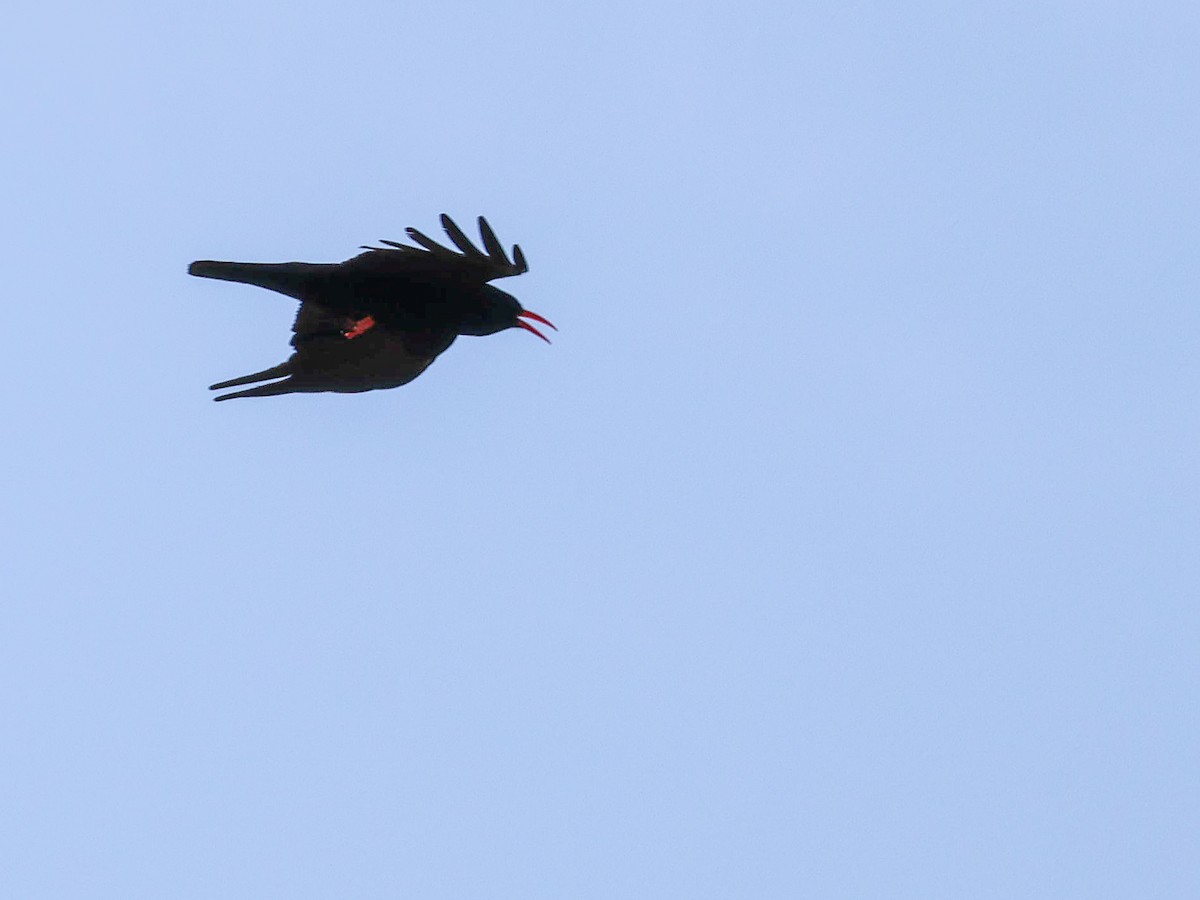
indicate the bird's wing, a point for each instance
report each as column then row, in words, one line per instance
column 316, row 321
column 336, row 352
column 341, row 353
column 431, row 260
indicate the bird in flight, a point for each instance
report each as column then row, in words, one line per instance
column 379, row 319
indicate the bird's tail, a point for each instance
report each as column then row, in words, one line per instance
column 279, row 371
column 293, row 278
column 264, row 390
column 274, row 389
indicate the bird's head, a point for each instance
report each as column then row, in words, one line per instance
column 498, row 311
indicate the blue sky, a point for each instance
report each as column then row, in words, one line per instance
column 843, row 545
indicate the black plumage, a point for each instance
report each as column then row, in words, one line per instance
column 379, row 319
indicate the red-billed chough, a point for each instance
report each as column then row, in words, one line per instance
column 379, row 319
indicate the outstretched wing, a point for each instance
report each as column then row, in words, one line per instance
column 335, row 352
column 432, row 260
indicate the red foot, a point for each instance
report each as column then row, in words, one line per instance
column 362, row 326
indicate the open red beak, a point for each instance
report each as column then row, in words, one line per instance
column 532, row 315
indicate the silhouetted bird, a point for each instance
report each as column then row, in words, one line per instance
column 379, row 319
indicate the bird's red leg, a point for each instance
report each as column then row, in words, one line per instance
column 363, row 325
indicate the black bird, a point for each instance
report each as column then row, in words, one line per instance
column 379, row 319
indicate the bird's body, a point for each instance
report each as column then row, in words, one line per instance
column 379, row 319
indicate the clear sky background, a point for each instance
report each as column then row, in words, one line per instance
column 844, row 544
